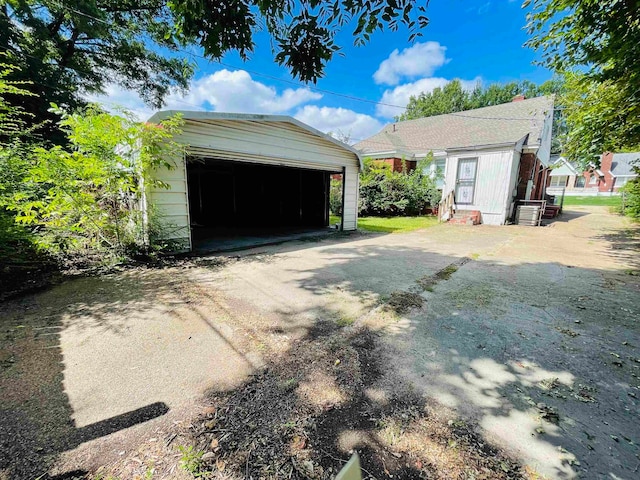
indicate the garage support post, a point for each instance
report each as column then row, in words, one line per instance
column 344, row 192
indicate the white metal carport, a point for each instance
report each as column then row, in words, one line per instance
column 242, row 140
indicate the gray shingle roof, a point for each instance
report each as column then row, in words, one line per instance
column 623, row 163
column 506, row 123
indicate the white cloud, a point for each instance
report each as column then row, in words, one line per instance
column 422, row 59
column 235, row 91
column 401, row 94
column 222, row 91
column 341, row 122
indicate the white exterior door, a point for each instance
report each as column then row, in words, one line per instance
column 466, row 180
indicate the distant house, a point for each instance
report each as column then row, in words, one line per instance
column 615, row 170
column 489, row 158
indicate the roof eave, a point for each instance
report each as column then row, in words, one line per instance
column 200, row 115
column 388, row 154
column 571, row 168
column 436, row 153
column 482, row 147
column 533, row 147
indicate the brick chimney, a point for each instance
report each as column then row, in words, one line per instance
column 605, row 162
column 518, row 98
column 605, row 166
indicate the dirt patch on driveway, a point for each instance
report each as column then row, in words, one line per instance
column 310, row 409
column 311, row 434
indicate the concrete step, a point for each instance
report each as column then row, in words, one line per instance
column 462, row 221
column 466, row 217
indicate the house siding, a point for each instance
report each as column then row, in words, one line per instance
column 351, row 185
column 492, row 195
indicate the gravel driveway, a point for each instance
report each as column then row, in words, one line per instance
column 536, row 339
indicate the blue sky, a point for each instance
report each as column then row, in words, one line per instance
column 474, row 40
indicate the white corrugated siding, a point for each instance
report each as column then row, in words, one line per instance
column 493, row 190
column 277, row 143
column 273, row 143
column 351, row 198
column 170, row 205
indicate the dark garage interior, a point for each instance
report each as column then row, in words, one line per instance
column 234, row 204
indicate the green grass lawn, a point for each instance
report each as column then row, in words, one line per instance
column 602, row 201
column 391, row 224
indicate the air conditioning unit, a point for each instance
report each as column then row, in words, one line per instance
column 528, row 215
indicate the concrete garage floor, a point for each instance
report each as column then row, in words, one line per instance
column 538, row 316
column 207, row 240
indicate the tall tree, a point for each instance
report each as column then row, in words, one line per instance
column 450, row 98
column 600, row 36
column 599, row 118
column 68, row 48
column 597, row 45
column 12, row 118
column 454, row 98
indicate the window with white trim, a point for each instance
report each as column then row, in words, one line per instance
column 559, row 181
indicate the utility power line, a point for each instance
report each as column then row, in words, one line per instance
column 292, row 82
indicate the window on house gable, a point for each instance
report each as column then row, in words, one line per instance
column 559, row 181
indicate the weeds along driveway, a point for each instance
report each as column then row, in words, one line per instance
column 96, row 356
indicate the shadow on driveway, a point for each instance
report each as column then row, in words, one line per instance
column 494, row 340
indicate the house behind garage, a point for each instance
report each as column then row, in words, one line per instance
column 245, row 174
column 488, row 158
